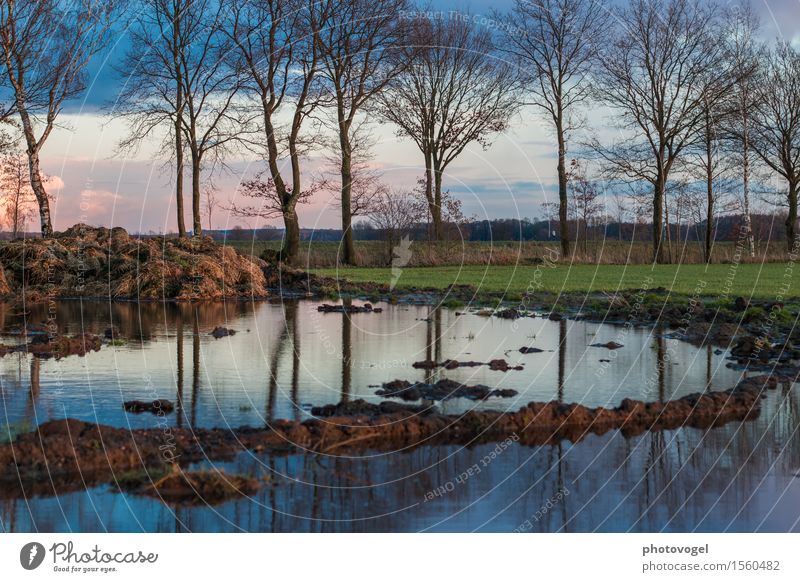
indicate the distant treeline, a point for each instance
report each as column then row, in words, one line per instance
column 726, row 228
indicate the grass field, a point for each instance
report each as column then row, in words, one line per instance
column 770, row 281
column 325, row 255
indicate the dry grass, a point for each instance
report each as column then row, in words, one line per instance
column 424, row 254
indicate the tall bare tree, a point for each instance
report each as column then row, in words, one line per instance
column 555, row 43
column 275, row 47
column 744, row 51
column 776, row 125
column 355, row 44
column 45, row 47
column 455, row 92
column 152, row 93
column 658, row 59
column 705, row 159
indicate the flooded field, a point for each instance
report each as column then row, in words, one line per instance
column 287, row 357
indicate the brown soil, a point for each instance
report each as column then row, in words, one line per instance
column 498, row 365
column 220, row 332
column 366, row 308
column 63, row 455
column 442, row 390
column 108, row 263
column 154, row 406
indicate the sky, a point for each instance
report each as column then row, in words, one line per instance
column 96, row 185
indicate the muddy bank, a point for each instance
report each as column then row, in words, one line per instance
column 69, row 454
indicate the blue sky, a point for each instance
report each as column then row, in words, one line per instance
column 511, row 179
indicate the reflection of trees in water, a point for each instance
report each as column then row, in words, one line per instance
column 562, row 357
column 669, row 479
column 137, row 321
column 433, row 342
column 347, row 351
column 179, row 413
column 289, row 334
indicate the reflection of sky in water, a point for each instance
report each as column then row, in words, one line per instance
column 738, row 477
column 287, row 357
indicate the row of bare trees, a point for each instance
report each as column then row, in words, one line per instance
column 693, row 92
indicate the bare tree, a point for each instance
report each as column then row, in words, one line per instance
column 365, row 180
column 210, row 84
column 275, row 48
column 395, row 213
column 211, row 202
column 663, row 52
column 745, row 51
column 704, row 160
column 555, row 43
column 15, row 189
column 455, row 92
column 775, row 129
column 585, row 194
column 355, row 44
column 264, row 199
column 45, row 47
column 152, row 93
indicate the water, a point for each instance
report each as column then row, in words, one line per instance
column 287, row 357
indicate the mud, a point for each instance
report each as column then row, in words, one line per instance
column 608, row 345
column 66, row 455
column 366, row 308
column 498, row 365
column 159, row 406
column 442, row 390
column 530, row 350
column 220, row 332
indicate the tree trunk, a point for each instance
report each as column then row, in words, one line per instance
column 709, row 192
column 436, row 217
column 37, row 185
column 348, row 250
column 179, row 178
column 291, row 237
column 562, row 192
column 748, row 223
column 176, row 63
column 791, row 218
column 658, row 220
column 197, row 225
column 438, row 226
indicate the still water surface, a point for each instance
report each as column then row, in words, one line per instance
column 286, row 357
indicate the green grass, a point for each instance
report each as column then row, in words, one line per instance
column 768, row 281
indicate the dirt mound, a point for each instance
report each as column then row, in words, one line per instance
column 84, row 261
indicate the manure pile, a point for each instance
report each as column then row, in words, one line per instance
column 84, row 261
